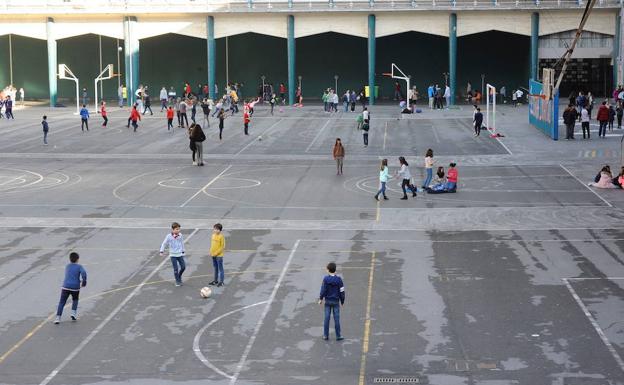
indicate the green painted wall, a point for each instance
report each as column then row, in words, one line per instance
column 406, row 51
column 503, row 57
column 81, row 55
column 30, row 65
column 172, row 59
column 320, row 57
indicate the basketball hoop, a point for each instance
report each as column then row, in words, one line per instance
column 387, row 74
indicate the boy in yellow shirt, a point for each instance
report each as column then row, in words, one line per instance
column 217, row 245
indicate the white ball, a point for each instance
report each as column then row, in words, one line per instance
column 205, row 292
column 260, row 137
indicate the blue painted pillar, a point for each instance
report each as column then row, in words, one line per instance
column 131, row 45
column 616, row 51
column 52, row 62
column 292, row 83
column 212, row 56
column 371, row 58
column 453, row 55
column 534, row 45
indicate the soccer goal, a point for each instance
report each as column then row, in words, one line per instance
column 396, row 73
column 490, row 110
column 65, row 73
column 107, row 73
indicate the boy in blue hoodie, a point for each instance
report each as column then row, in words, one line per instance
column 84, row 117
column 75, row 278
column 333, row 292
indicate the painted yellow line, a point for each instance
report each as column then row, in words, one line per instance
column 26, row 338
column 367, row 323
column 34, row 330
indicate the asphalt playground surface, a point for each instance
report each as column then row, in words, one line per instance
column 518, row 278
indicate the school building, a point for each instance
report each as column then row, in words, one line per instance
column 312, row 43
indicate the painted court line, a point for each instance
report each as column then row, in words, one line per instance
column 586, row 186
column 318, row 135
column 243, row 359
column 206, row 186
column 201, row 331
column 594, row 323
column 106, row 320
column 254, row 140
column 367, row 323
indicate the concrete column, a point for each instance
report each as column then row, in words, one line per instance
column 52, row 62
column 131, row 52
column 371, row 58
column 453, row 55
column 617, row 60
column 292, row 83
column 534, row 46
column 212, row 56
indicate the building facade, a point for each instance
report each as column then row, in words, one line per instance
column 313, row 44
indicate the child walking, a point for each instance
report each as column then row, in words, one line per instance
column 384, row 175
column 406, row 176
column 217, row 245
column 170, row 118
column 333, row 292
column 75, row 278
column 84, row 117
column 339, row 154
column 175, row 242
column 221, row 119
column 104, row 114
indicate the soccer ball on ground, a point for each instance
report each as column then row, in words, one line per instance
column 205, row 292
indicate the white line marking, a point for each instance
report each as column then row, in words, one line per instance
column 385, row 135
column 586, row 186
column 318, row 135
column 206, row 186
column 201, row 331
column 594, row 323
column 21, row 177
column 254, row 140
column 106, row 320
column 241, row 363
column 503, row 144
column 595, row 278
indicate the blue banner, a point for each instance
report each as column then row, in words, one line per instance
column 543, row 113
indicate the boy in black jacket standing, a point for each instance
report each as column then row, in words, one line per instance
column 333, row 292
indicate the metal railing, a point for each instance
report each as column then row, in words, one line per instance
column 216, row 6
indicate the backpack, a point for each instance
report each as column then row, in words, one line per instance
column 365, row 127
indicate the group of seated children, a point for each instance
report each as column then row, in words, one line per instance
column 444, row 183
column 605, row 179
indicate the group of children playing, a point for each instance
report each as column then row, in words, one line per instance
column 76, row 275
column 442, row 184
column 332, row 289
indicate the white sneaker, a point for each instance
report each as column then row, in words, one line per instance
column 57, row 320
column 73, row 316
column 194, row 163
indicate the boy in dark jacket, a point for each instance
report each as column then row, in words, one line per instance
column 75, row 278
column 333, row 292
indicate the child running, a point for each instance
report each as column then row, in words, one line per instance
column 175, row 242
column 217, row 246
column 75, row 278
